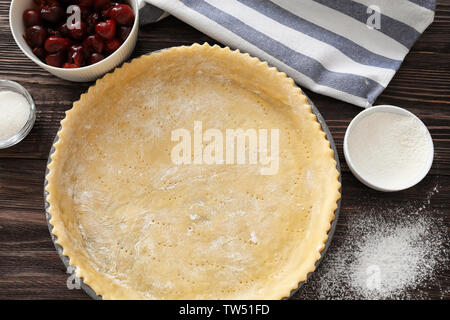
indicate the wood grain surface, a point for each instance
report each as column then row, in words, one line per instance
column 29, row 265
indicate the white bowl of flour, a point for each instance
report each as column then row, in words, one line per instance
column 388, row 148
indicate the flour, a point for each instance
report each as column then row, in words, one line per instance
column 389, row 260
column 253, row 237
column 388, row 149
column 388, row 251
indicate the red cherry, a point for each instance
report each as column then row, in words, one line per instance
column 122, row 14
column 53, row 14
column 76, row 54
column 43, row 3
column 40, row 53
column 112, row 45
column 96, row 57
column 85, row 12
column 32, row 18
column 78, row 31
column 123, row 32
column 94, row 43
column 63, row 30
column 76, row 48
column 100, row 4
column 92, row 21
column 53, row 32
column 55, row 44
column 39, row 3
column 105, row 9
column 105, row 12
column 69, row 66
column 35, row 36
column 56, row 59
column 86, row 3
column 106, row 29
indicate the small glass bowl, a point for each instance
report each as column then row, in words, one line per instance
column 6, row 85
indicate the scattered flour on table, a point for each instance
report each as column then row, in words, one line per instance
column 384, row 258
column 390, row 260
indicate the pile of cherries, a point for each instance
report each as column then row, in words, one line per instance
column 103, row 27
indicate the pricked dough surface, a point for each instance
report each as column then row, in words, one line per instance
column 137, row 226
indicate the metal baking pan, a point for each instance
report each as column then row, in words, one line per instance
column 92, row 293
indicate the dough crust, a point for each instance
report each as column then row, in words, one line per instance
column 137, row 226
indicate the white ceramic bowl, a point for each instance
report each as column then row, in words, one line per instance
column 83, row 74
column 359, row 176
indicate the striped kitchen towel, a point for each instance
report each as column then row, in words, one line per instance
column 349, row 50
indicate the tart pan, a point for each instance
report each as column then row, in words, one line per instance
column 92, row 293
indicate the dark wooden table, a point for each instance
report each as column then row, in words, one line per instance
column 29, row 265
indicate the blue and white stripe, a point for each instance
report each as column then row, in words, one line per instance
column 325, row 45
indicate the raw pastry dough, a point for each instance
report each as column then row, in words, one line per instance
column 137, row 226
